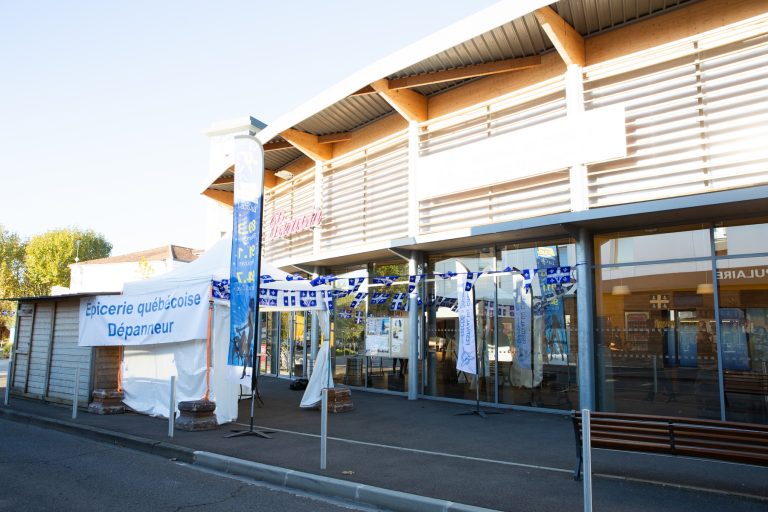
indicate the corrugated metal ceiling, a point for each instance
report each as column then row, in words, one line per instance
column 521, row 37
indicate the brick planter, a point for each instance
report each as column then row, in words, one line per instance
column 196, row 415
column 107, row 401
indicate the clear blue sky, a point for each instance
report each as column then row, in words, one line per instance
column 103, row 104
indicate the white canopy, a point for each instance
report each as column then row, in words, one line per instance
column 147, row 369
column 212, row 265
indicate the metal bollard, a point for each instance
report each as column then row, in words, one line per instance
column 324, row 429
column 172, row 407
column 586, row 456
column 74, row 393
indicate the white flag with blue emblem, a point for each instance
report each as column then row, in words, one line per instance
column 467, row 352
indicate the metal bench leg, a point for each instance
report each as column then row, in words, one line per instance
column 577, row 471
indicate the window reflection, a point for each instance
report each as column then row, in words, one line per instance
column 743, row 295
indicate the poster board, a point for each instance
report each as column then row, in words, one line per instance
column 387, row 337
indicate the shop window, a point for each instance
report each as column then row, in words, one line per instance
column 656, row 339
column 743, row 297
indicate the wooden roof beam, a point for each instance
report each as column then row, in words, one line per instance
column 220, row 196
column 269, row 179
column 225, row 180
column 568, row 42
column 409, row 104
column 334, row 137
column 308, row 144
column 488, row 68
column 363, row 91
column 274, row 146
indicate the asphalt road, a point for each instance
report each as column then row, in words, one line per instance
column 45, row 470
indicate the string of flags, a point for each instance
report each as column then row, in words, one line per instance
column 557, row 279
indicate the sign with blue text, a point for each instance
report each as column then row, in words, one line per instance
column 246, row 253
column 179, row 314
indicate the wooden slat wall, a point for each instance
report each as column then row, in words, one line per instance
column 21, row 353
column 38, row 354
column 67, row 356
column 106, row 367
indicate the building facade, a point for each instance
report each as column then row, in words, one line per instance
column 624, row 140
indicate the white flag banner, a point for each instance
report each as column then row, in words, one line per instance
column 467, row 356
column 522, row 314
column 179, row 314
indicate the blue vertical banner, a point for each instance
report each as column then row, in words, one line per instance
column 555, row 340
column 246, row 256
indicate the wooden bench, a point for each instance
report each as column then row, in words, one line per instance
column 709, row 439
column 746, row 383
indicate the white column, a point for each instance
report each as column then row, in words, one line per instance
column 413, row 320
column 318, row 205
column 413, row 159
column 574, row 104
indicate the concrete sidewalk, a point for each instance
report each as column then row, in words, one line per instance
column 418, row 455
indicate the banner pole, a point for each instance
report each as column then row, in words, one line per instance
column 172, row 407
column 586, row 456
column 208, row 346
column 75, row 393
column 324, row 429
column 249, row 174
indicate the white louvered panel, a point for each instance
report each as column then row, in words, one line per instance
column 695, row 124
column 365, row 196
column 294, row 198
column 515, row 199
column 520, row 112
column 735, row 79
column 531, row 197
column 664, row 134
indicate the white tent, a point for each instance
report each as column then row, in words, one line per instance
column 147, row 369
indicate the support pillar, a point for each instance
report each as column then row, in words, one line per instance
column 585, row 312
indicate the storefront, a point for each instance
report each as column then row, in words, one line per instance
column 633, row 156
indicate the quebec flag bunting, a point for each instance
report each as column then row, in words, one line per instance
column 359, row 298
column 398, row 302
column 308, row 299
column 385, row 280
column 379, row 298
column 413, row 282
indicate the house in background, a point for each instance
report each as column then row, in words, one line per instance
column 109, row 274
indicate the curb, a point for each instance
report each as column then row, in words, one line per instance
column 274, row 475
column 318, row 484
column 160, row 448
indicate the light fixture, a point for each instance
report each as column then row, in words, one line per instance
column 620, row 289
column 705, row 288
column 286, row 175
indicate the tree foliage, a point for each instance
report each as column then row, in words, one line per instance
column 48, row 256
column 11, row 276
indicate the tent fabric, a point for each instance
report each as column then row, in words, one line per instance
column 147, row 369
column 321, row 378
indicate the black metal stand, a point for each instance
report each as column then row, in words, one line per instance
column 477, row 409
column 254, row 396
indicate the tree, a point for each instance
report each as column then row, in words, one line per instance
column 49, row 255
column 11, row 276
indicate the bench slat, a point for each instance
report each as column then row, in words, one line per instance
column 702, row 438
